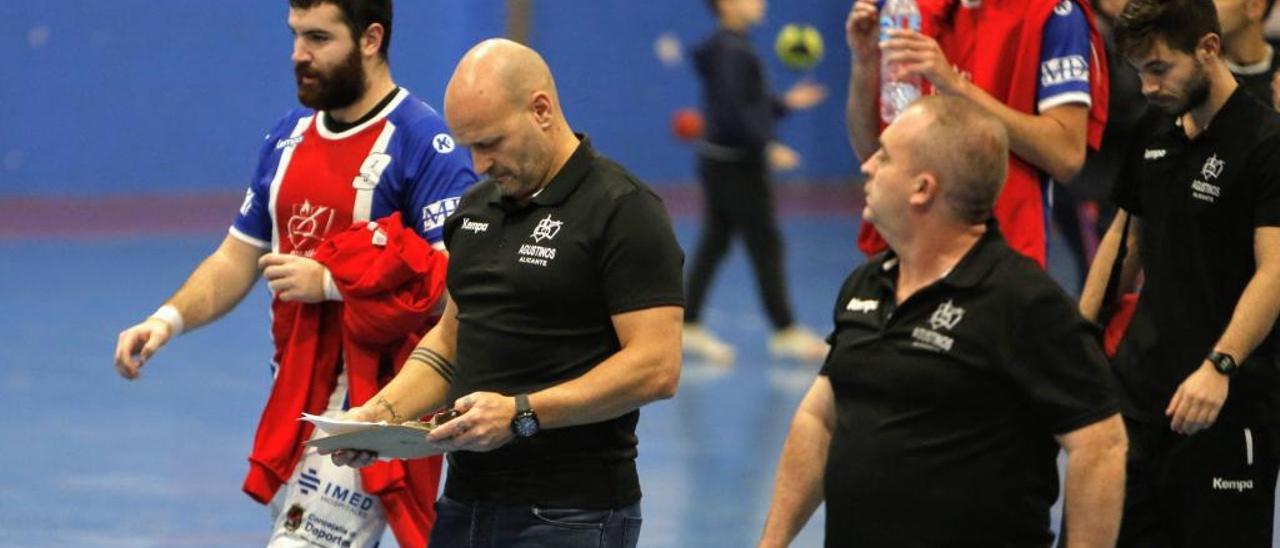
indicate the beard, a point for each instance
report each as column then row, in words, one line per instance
column 511, row 185
column 341, row 87
column 520, row 175
column 1197, row 93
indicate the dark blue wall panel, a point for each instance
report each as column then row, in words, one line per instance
column 615, row 88
column 129, row 96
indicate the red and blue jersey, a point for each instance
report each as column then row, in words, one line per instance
column 1065, row 58
column 968, row 33
column 311, row 182
column 1032, row 55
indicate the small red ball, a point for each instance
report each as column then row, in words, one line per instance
column 686, row 124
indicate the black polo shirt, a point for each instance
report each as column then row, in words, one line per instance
column 947, row 405
column 1199, row 202
column 535, row 288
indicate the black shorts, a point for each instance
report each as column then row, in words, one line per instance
column 1214, row 488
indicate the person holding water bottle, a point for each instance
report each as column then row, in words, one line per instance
column 897, row 91
column 1035, row 65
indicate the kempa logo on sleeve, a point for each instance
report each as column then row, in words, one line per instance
column 1238, row 486
column 862, row 305
column 473, row 226
column 286, row 143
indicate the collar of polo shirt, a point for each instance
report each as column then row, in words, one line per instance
column 566, row 180
column 971, row 269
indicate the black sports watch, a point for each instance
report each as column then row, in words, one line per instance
column 525, row 423
column 1223, row 362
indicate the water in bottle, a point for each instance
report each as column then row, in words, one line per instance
column 897, row 92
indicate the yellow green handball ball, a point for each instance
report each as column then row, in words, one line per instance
column 799, row 46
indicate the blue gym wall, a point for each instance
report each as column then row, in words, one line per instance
column 159, row 96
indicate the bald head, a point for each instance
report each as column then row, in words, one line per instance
column 499, row 71
column 502, row 104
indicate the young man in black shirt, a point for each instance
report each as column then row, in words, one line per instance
column 1200, row 192
column 958, row 368
column 733, row 163
column 564, row 318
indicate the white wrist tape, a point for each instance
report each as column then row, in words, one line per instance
column 170, row 315
column 331, row 292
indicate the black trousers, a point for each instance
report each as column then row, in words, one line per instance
column 738, row 200
column 1212, row 489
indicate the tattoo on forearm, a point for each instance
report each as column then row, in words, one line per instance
column 395, row 417
column 435, row 361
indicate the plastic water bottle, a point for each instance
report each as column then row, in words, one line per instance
column 896, row 94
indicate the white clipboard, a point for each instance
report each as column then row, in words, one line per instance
column 389, row 441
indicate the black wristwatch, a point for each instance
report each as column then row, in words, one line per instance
column 525, row 423
column 1224, row 363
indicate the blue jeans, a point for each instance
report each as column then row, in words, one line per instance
column 489, row 525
